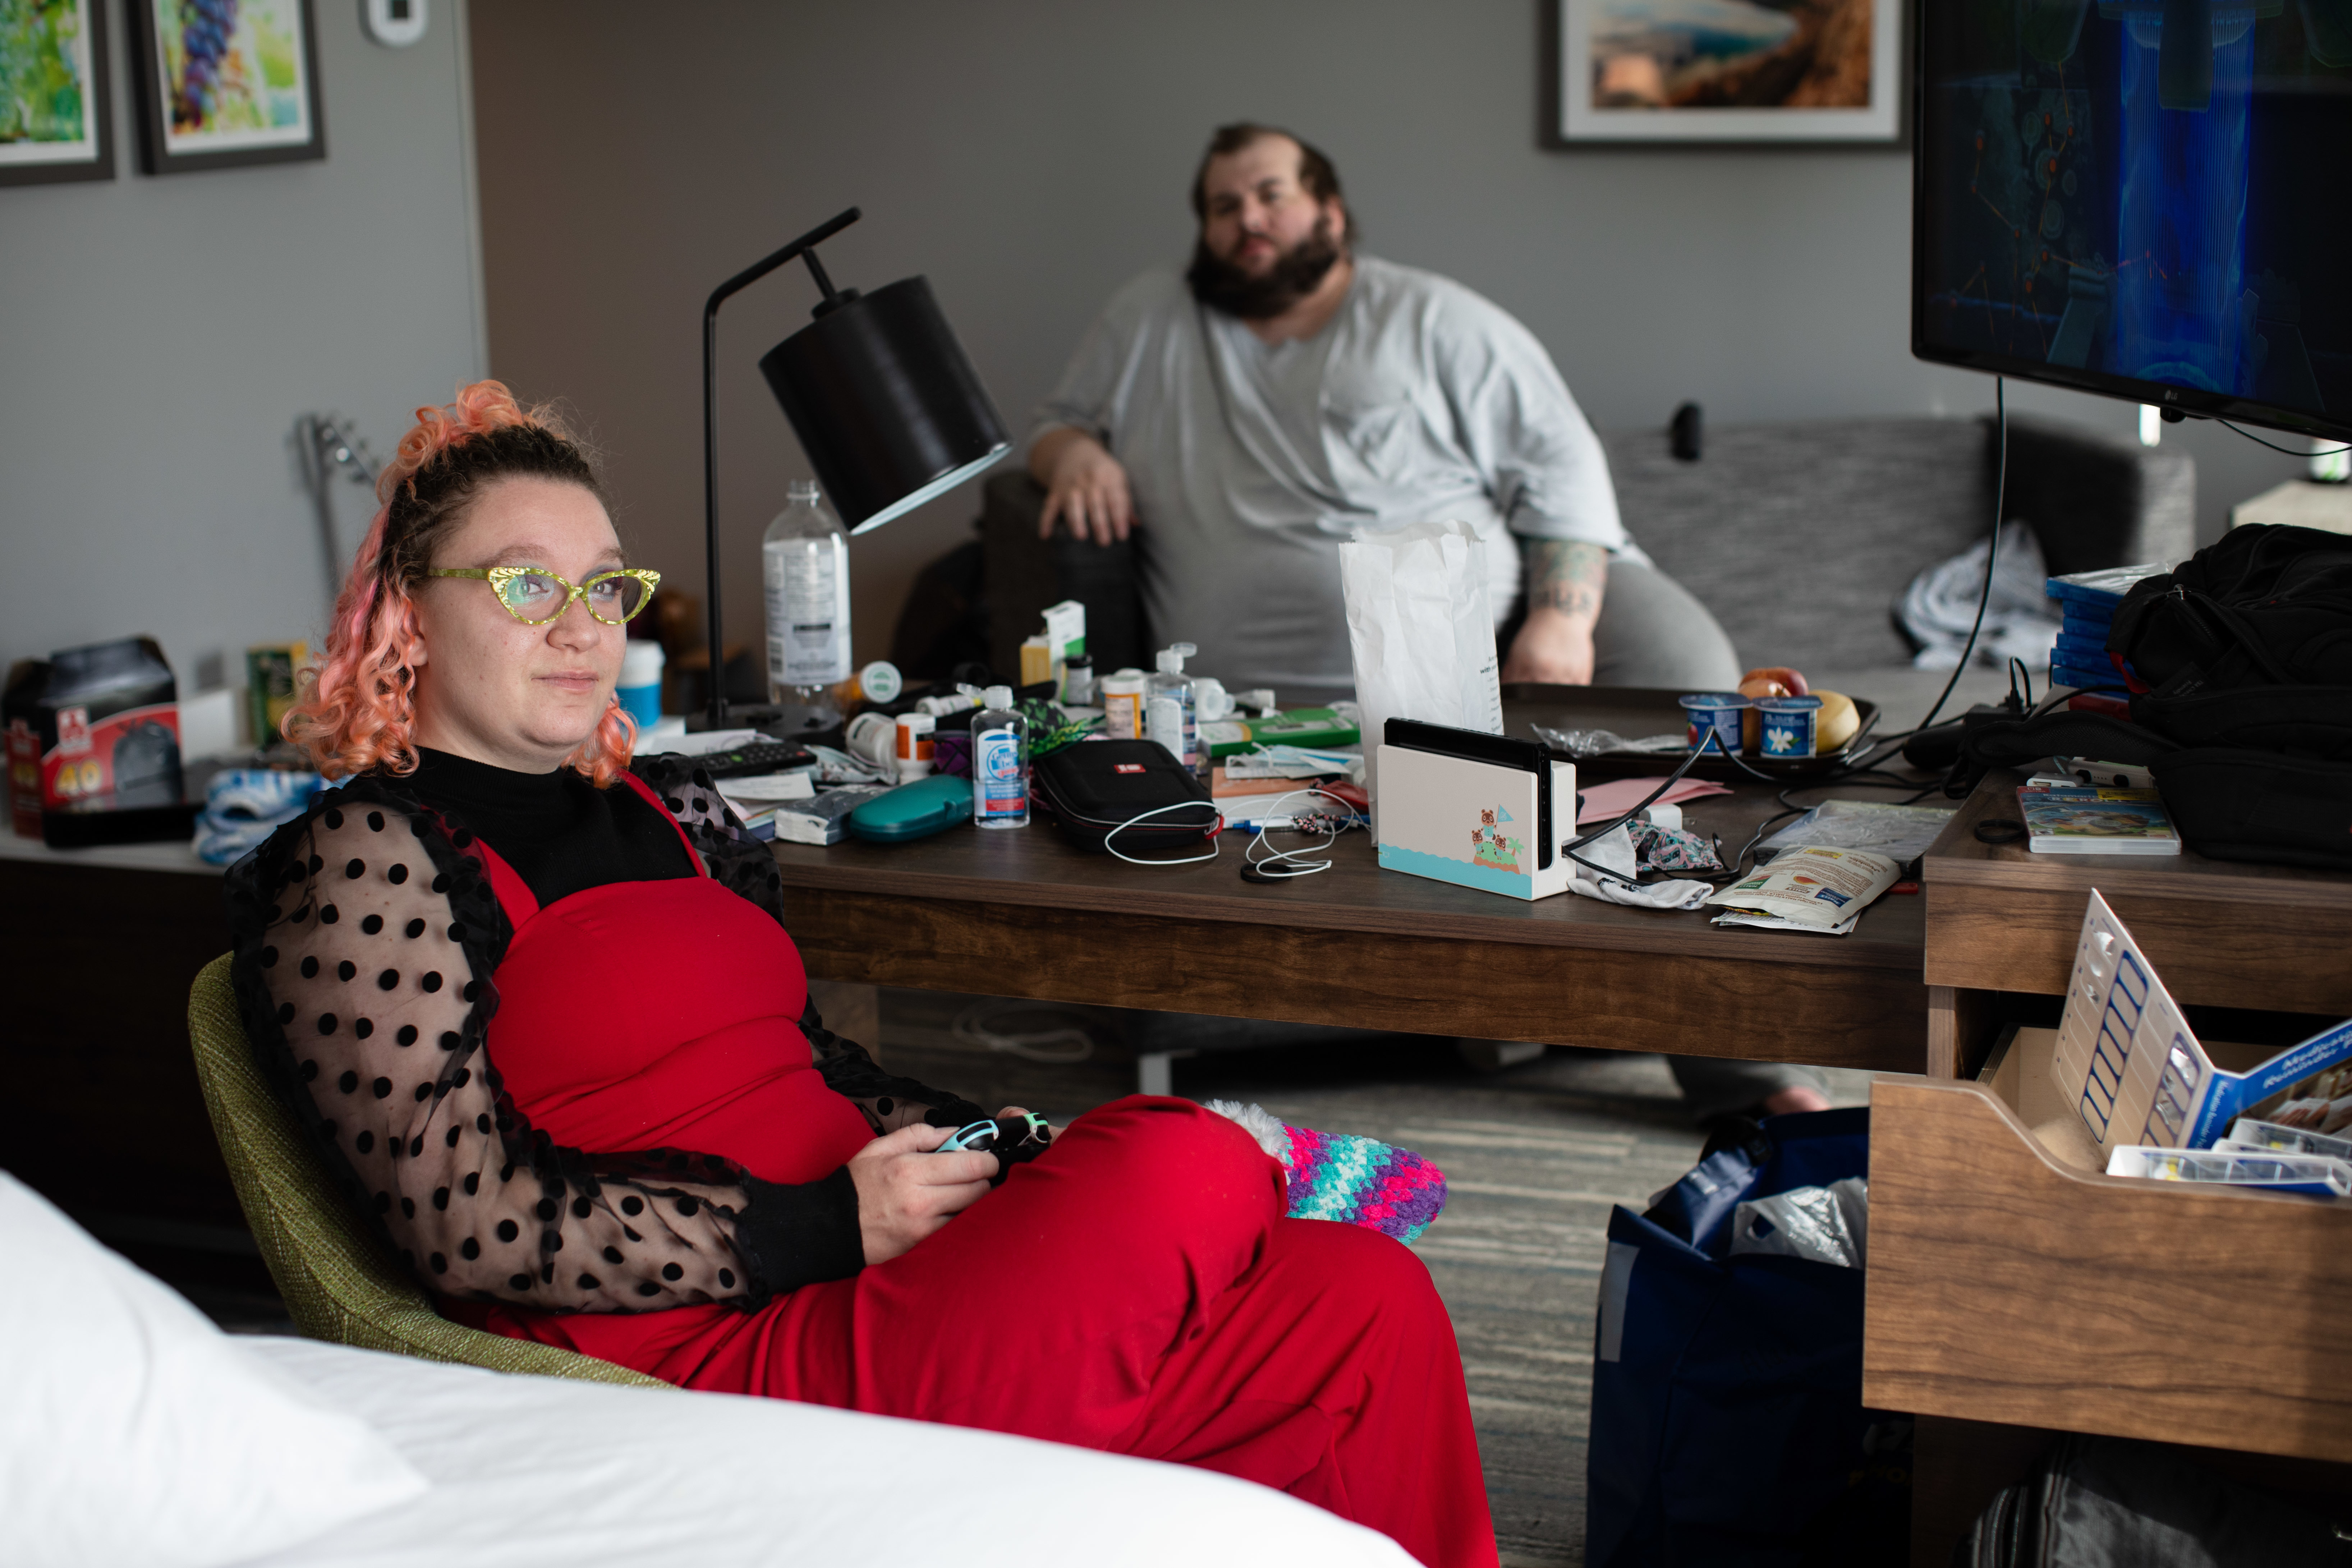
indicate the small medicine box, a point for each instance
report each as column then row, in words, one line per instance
column 2136, row 1073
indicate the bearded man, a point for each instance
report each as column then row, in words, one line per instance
column 1254, row 412
column 1284, row 392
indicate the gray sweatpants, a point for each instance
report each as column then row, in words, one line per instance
column 1653, row 632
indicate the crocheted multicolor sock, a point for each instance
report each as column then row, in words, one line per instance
column 1336, row 1175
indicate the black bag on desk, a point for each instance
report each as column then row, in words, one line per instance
column 1097, row 787
column 2247, row 729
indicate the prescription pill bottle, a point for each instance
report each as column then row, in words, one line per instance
column 915, row 742
column 1122, row 704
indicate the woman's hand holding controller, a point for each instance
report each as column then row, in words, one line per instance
column 905, row 1191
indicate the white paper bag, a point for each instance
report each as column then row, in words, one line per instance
column 1422, row 633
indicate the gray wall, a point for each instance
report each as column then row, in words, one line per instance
column 1029, row 155
column 158, row 337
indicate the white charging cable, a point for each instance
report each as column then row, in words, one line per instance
column 1283, row 864
column 988, row 1024
column 1155, row 811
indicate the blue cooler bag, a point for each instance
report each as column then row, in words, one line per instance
column 1727, row 1422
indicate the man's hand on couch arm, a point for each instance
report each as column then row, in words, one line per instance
column 1084, row 485
column 1566, row 579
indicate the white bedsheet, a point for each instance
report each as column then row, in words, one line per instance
column 529, row 1471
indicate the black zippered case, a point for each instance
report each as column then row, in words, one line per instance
column 1096, row 786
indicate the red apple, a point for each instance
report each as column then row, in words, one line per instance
column 1773, row 680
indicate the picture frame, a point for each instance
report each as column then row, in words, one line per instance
column 1718, row 72
column 257, row 98
column 55, row 50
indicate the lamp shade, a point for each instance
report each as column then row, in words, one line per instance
column 886, row 405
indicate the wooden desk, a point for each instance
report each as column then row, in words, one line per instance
column 2014, row 1294
column 1025, row 913
column 2220, row 933
column 98, row 948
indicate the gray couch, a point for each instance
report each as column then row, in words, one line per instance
column 1800, row 537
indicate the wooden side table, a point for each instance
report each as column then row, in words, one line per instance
column 2016, row 1292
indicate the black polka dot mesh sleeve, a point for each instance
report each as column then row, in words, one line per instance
column 746, row 867
column 364, row 945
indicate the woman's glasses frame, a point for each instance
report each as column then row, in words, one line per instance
column 499, row 577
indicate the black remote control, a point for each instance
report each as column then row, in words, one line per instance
column 758, row 757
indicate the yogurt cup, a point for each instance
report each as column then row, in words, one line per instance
column 1716, row 713
column 1786, row 727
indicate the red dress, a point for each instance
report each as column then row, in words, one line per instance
column 1135, row 1288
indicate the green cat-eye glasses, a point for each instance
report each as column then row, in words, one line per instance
column 535, row 596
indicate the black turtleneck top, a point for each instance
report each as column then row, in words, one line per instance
column 560, row 833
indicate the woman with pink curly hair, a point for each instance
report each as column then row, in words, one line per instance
column 539, row 1010
column 362, row 712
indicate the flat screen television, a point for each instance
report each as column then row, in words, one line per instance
column 2150, row 199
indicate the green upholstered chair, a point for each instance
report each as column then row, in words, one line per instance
column 338, row 1281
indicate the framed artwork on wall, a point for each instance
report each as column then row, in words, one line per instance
column 54, row 111
column 225, row 82
column 1666, row 71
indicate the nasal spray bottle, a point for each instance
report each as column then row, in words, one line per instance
column 999, row 763
column 1170, row 712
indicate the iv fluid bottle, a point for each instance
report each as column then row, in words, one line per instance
column 804, row 561
column 999, row 763
column 1170, row 715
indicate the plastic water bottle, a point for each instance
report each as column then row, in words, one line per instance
column 999, row 763
column 804, row 560
column 1170, row 711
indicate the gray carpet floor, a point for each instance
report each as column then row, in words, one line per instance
column 1534, row 1156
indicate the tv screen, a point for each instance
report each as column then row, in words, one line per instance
column 2145, row 198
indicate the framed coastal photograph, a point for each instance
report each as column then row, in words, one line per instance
column 54, row 106
column 1731, row 70
column 225, row 82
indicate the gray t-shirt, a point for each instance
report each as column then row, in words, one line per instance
column 1252, row 463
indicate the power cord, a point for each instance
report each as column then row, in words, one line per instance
column 1992, row 550
column 1713, row 738
column 1867, row 765
column 1282, row 865
column 2274, row 447
column 1887, row 745
column 1159, row 810
column 983, row 1024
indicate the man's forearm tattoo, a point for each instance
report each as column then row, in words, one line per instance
column 1566, row 575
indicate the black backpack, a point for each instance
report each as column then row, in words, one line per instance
column 2246, row 649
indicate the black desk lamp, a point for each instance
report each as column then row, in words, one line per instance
column 887, row 406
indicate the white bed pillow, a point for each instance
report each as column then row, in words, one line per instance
column 133, row 1431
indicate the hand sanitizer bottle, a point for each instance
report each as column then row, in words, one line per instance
column 999, row 763
column 1170, row 711
column 804, row 561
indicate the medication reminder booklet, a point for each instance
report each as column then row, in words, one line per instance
column 2138, row 1074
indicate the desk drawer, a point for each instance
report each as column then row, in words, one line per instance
column 2006, row 1285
